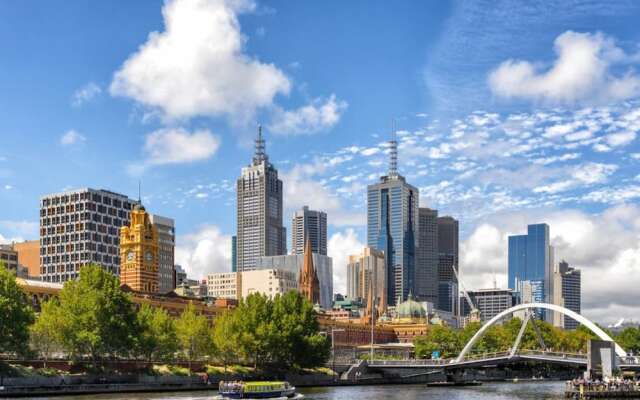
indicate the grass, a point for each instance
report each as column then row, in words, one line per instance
column 231, row 369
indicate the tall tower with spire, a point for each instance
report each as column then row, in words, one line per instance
column 308, row 282
column 392, row 226
column 259, row 210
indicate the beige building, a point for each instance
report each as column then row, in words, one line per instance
column 9, row 257
column 223, row 285
column 29, row 256
column 268, row 281
column 362, row 268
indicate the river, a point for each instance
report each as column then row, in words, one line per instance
column 488, row 391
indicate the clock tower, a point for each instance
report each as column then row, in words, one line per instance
column 139, row 253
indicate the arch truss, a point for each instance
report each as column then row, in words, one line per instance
column 528, row 308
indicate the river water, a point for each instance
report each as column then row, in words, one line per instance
column 488, row 391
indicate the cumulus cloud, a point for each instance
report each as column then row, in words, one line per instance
column 585, row 70
column 204, row 251
column 85, row 94
column 71, row 137
column 198, row 66
column 318, row 116
column 176, row 145
column 341, row 245
column 604, row 246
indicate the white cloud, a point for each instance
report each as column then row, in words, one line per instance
column 85, row 94
column 605, row 247
column 317, row 116
column 8, row 187
column 198, row 65
column 72, row 137
column 341, row 245
column 205, row 251
column 18, row 230
column 620, row 139
column 582, row 72
column 174, row 146
column 590, row 173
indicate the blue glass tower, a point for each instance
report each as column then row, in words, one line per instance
column 392, row 209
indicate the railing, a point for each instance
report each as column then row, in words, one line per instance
column 475, row 357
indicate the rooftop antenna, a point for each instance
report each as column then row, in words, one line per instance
column 393, row 151
column 260, row 153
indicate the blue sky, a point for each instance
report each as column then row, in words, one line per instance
column 507, row 112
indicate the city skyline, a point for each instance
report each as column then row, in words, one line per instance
column 466, row 135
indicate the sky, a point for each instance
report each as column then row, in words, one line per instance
column 507, row 113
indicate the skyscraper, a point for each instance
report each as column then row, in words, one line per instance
column 427, row 256
column 567, row 293
column 309, row 224
column 531, row 259
column 392, row 227
column 234, row 253
column 166, row 252
column 79, row 227
column 447, row 260
column 259, row 213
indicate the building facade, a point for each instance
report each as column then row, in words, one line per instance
column 29, row 256
column 567, row 288
column 139, row 252
column 80, row 227
column 392, row 227
column 223, row 285
column 268, row 282
column 234, row 253
column 259, row 211
column 181, row 275
column 166, row 252
column 9, row 257
column 427, row 256
column 448, row 257
column 491, row 302
column 311, row 225
column 308, row 282
column 361, row 270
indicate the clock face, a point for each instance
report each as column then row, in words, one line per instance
column 149, row 256
column 130, row 256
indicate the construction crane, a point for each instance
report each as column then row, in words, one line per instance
column 474, row 314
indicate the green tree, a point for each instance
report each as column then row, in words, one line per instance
column 629, row 339
column 193, row 334
column 15, row 314
column 156, row 338
column 438, row 338
column 97, row 318
column 46, row 331
column 255, row 330
column 225, row 337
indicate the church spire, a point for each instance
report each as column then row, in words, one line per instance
column 308, row 282
column 260, row 148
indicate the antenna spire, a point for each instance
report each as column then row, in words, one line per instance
column 393, row 151
column 260, row 152
column 139, row 192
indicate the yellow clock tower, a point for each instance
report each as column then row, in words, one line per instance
column 139, row 253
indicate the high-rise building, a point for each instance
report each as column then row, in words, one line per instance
column 139, row 252
column 29, row 256
column 312, row 225
column 490, row 302
column 567, row 293
column 427, row 256
column 392, row 227
column 531, row 259
column 181, row 275
column 362, row 268
column 259, row 213
column 80, row 227
column 308, row 282
column 448, row 232
column 166, row 252
column 234, row 253
column 9, row 257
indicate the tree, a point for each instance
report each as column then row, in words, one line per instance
column 225, row 337
column 156, row 338
column 629, row 339
column 193, row 334
column 46, row 331
column 97, row 317
column 255, row 329
column 438, row 338
column 15, row 314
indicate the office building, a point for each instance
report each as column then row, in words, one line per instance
column 181, row 275
column 567, row 293
column 427, row 256
column 29, row 256
column 80, row 227
column 361, row 270
column 490, row 302
column 259, row 214
column 234, row 253
column 139, row 252
column 448, row 232
column 392, row 227
column 166, row 252
column 222, row 285
column 294, row 263
column 268, row 282
column 9, row 257
column 531, row 259
column 311, row 225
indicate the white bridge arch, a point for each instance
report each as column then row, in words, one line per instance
column 531, row 306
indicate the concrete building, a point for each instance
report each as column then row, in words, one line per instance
column 181, row 275
column 259, row 212
column 490, row 302
column 312, row 225
column 9, row 257
column 222, row 285
column 448, row 238
column 79, row 227
column 392, row 227
column 567, row 293
column 234, row 253
column 267, row 281
column 295, row 262
column 139, row 252
column 362, row 268
column 427, row 256
column 29, row 256
column 166, row 254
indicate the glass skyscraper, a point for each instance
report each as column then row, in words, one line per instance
column 392, row 227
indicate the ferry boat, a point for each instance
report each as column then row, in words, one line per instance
column 257, row 390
